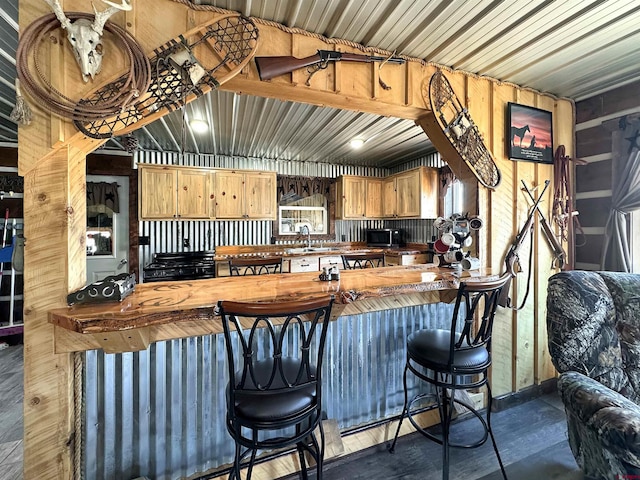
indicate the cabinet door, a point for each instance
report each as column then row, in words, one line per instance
column 260, row 195
column 193, row 194
column 373, row 205
column 354, row 191
column 389, row 197
column 408, row 194
column 303, row 264
column 392, row 260
column 330, row 262
column 157, row 193
column 229, row 195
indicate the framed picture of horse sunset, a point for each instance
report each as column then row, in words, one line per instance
column 529, row 133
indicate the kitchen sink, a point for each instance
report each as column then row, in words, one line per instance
column 309, row 249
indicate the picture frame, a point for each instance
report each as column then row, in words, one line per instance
column 529, row 133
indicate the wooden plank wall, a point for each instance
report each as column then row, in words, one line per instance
column 52, row 160
column 596, row 119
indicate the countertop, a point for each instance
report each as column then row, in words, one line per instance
column 225, row 253
column 173, row 302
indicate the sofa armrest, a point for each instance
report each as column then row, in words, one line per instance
column 603, row 426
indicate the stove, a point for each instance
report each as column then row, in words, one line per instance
column 180, row 266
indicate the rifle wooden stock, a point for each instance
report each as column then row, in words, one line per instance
column 512, row 258
column 270, row 67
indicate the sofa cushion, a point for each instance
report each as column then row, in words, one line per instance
column 581, row 329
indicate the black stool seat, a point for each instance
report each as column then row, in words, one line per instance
column 430, row 348
column 453, row 359
column 281, row 402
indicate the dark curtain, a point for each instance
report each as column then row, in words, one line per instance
column 292, row 188
column 625, row 198
column 103, row 193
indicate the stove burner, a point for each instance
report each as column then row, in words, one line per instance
column 180, row 266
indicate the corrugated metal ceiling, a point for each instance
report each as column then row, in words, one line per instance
column 571, row 49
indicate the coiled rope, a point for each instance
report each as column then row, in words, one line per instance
column 136, row 83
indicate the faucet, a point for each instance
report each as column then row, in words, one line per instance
column 302, row 229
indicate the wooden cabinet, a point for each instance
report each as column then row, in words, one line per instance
column 373, row 204
column 411, row 194
column 260, row 195
column 359, row 197
column 245, row 195
column 174, row 192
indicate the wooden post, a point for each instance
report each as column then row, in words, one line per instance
column 54, row 217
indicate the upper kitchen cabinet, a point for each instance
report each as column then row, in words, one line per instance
column 411, row 194
column 169, row 192
column 358, row 197
column 249, row 195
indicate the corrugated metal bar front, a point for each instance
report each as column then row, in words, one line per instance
column 161, row 412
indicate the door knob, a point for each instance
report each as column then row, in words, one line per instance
column 122, row 263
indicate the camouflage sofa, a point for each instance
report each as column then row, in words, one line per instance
column 593, row 325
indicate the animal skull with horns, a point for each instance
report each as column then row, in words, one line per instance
column 86, row 36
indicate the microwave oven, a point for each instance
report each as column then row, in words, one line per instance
column 385, row 237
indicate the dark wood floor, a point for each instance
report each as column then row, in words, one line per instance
column 531, row 437
column 11, row 399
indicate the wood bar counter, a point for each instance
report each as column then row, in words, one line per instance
column 167, row 310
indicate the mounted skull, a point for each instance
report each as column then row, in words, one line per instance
column 86, row 36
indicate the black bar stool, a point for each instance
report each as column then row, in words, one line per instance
column 363, row 260
column 255, row 266
column 455, row 359
column 274, row 354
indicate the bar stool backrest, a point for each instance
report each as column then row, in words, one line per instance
column 363, row 260
column 480, row 301
column 290, row 346
column 255, row 266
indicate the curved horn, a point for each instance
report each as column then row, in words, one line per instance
column 101, row 17
column 57, row 9
column 125, row 5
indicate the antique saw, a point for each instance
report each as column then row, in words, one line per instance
column 453, row 133
column 182, row 70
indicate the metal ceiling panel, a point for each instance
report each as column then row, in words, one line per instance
column 570, row 49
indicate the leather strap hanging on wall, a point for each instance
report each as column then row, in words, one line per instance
column 563, row 213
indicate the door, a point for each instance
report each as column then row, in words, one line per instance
column 229, row 193
column 354, row 195
column 408, row 194
column 373, row 206
column 193, row 193
column 157, row 192
column 260, row 195
column 109, row 229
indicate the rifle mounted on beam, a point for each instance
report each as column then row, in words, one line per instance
column 270, row 67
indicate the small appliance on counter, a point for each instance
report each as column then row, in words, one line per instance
column 180, row 266
column 385, row 237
